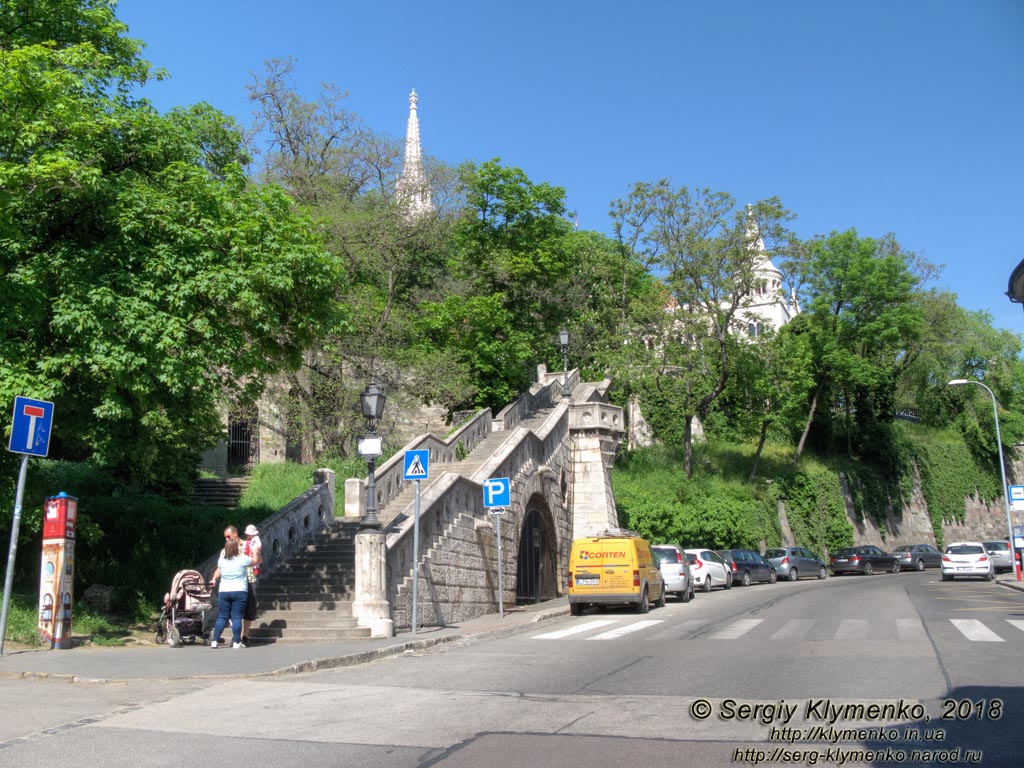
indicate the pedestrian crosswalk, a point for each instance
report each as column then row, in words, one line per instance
column 791, row 630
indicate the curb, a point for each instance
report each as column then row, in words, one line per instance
column 313, row 665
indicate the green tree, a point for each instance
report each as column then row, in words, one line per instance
column 144, row 276
column 709, row 253
column 864, row 320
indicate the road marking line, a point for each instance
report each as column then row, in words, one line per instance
column 619, row 632
column 973, row 629
column 794, row 629
column 910, row 629
column 736, row 629
column 1017, row 623
column 852, row 629
column 574, row 630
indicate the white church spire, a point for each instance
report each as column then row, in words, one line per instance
column 412, row 188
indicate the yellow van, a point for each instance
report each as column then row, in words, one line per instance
column 613, row 568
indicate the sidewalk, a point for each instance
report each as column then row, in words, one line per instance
column 91, row 664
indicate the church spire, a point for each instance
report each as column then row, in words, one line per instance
column 412, row 188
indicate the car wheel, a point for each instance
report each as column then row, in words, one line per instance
column 576, row 609
column 868, row 569
column 772, row 576
column 685, row 596
column 728, row 581
column 745, row 581
column 643, row 606
column 919, row 565
column 895, row 567
column 660, row 603
column 793, row 575
column 706, row 586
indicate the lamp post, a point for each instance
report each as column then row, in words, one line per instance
column 372, row 402
column 563, row 339
column 1002, row 466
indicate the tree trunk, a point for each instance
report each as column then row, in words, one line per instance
column 688, row 446
column 807, row 426
column 760, row 447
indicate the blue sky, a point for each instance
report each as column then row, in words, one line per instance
column 887, row 116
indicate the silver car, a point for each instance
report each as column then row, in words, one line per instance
column 793, row 562
column 675, row 570
column 1002, row 556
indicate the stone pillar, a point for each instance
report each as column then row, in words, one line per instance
column 371, row 608
column 592, row 500
column 355, row 498
column 325, row 476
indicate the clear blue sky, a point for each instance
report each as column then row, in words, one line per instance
column 903, row 116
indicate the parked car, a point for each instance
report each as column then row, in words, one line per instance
column 866, row 559
column 793, row 562
column 967, row 558
column 675, row 570
column 708, row 569
column 917, row 557
column 747, row 566
column 614, row 568
column 999, row 551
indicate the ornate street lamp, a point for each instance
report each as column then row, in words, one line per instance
column 1002, row 467
column 563, row 339
column 372, row 402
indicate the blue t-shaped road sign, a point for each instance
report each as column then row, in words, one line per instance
column 30, row 432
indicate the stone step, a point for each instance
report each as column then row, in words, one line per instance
column 322, row 602
column 264, row 635
column 285, row 620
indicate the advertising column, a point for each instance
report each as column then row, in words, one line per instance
column 56, row 583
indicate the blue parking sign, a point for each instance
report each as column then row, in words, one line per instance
column 497, row 492
column 30, row 432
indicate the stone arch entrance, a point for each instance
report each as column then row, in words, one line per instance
column 536, row 574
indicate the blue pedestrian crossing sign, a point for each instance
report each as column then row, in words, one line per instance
column 497, row 492
column 30, row 431
column 417, row 465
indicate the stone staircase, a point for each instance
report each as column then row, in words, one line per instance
column 219, row 491
column 308, row 599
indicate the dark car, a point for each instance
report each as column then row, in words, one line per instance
column 865, row 559
column 793, row 562
column 917, row 557
column 747, row 566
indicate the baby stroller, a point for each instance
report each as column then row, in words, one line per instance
column 187, row 613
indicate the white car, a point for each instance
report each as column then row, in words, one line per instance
column 674, row 570
column 967, row 558
column 708, row 569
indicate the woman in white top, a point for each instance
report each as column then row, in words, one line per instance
column 233, row 592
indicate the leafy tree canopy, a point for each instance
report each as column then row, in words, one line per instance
column 143, row 275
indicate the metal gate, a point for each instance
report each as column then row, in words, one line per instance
column 532, row 575
column 243, row 439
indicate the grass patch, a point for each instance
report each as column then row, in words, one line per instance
column 87, row 626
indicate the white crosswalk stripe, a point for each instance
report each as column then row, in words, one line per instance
column 910, row 629
column 907, row 630
column 736, row 629
column 973, row 629
column 619, row 632
column 574, row 630
column 794, row 629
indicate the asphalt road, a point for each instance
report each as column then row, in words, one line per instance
column 881, row 670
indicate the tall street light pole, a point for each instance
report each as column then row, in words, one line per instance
column 371, row 400
column 1002, row 467
column 563, row 339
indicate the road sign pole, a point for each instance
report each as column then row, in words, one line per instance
column 501, row 586
column 416, row 558
column 13, row 551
